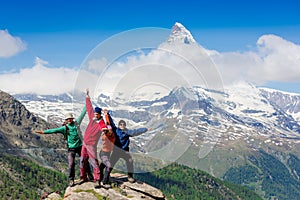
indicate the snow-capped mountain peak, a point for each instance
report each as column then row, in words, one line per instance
column 180, row 34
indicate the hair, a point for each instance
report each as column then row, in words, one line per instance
column 121, row 121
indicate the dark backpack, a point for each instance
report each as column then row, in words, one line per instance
column 67, row 131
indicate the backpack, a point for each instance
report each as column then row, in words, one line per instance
column 67, row 131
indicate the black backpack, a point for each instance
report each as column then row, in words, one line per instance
column 67, row 131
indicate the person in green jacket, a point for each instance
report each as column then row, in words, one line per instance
column 71, row 131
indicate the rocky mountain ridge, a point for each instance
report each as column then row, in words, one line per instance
column 121, row 190
column 17, row 137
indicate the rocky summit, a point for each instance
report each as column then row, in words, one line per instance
column 121, row 190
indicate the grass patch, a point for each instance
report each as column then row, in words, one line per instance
column 100, row 197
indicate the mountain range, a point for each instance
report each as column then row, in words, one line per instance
column 215, row 135
column 242, row 133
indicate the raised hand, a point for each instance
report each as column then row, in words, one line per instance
column 39, row 132
column 105, row 111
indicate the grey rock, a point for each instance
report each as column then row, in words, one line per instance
column 121, row 190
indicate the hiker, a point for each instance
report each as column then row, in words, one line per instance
column 121, row 148
column 108, row 139
column 71, row 130
column 91, row 138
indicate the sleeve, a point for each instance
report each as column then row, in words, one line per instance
column 61, row 130
column 136, row 132
column 89, row 108
column 113, row 125
column 81, row 116
column 102, row 124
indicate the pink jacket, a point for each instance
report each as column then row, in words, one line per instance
column 94, row 128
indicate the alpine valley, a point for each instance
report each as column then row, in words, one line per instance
column 242, row 134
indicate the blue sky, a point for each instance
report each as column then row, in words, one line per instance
column 62, row 33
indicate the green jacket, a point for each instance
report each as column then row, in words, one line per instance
column 74, row 131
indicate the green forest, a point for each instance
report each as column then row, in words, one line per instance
column 276, row 179
column 180, row 182
column 23, row 179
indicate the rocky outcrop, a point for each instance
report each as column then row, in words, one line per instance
column 121, row 190
column 17, row 123
column 17, row 135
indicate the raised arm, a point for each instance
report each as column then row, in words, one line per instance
column 111, row 121
column 81, row 116
column 136, row 132
column 89, row 106
column 61, row 130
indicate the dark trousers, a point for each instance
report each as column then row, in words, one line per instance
column 105, row 164
column 71, row 159
column 120, row 153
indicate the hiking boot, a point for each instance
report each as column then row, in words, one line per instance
column 105, row 185
column 131, row 180
column 90, row 177
column 97, row 186
column 71, row 183
column 81, row 181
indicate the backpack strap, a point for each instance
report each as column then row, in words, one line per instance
column 67, row 132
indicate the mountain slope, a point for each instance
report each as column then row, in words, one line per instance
column 276, row 179
column 181, row 182
column 24, row 179
column 17, row 135
column 288, row 102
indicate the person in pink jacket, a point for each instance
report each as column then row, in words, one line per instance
column 91, row 138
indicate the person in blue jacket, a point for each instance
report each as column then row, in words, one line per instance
column 121, row 148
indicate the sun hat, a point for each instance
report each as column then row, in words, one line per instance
column 69, row 116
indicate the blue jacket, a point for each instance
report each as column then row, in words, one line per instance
column 122, row 137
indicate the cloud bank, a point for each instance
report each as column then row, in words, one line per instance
column 274, row 59
column 39, row 79
column 9, row 45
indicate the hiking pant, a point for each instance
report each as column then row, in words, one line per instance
column 89, row 154
column 71, row 159
column 105, row 163
column 120, row 153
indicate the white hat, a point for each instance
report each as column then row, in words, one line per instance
column 69, row 116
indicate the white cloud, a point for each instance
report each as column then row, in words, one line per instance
column 275, row 59
column 10, row 45
column 97, row 65
column 39, row 79
column 165, row 68
column 280, row 58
